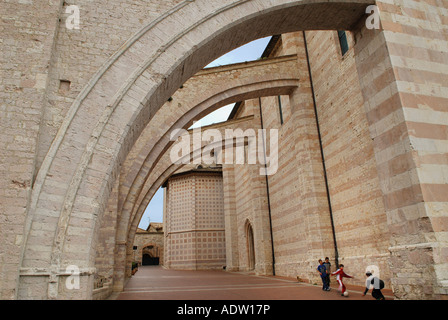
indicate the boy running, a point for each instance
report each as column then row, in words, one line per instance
column 377, row 285
column 340, row 275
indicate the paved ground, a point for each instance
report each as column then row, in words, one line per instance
column 156, row 283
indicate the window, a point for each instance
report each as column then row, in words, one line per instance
column 64, row 86
column 343, row 41
column 280, row 109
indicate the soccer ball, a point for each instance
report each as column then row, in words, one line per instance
column 346, row 294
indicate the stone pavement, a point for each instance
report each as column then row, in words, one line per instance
column 157, row 283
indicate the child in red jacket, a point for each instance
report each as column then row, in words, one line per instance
column 340, row 275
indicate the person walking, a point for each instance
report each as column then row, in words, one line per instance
column 323, row 275
column 340, row 274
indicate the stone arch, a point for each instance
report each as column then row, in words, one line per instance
column 262, row 78
column 147, row 150
column 163, row 169
column 152, row 250
column 83, row 161
column 156, row 139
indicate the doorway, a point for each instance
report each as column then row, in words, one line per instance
column 250, row 247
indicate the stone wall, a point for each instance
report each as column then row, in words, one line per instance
column 357, row 204
column 27, row 54
column 298, row 200
column 153, row 238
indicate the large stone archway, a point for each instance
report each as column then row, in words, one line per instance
column 70, row 192
column 126, row 228
column 92, row 123
column 143, row 165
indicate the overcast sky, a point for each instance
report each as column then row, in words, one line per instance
column 249, row 52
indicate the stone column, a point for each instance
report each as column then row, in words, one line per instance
column 231, row 228
column 27, row 57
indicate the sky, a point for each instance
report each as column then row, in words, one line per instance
column 249, row 52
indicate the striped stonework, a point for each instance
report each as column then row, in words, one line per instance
column 404, row 76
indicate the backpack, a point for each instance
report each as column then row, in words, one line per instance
column 381, row 282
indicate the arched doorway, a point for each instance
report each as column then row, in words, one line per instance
column 147, row 260
column 250, row 246
column 151, row 254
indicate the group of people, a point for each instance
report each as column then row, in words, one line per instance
column 324, row 269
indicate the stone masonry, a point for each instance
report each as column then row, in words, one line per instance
column 86, row 113
column 194, row 226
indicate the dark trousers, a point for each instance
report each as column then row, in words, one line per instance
column 325, row 282
column 377, row 294
column 328, row 280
